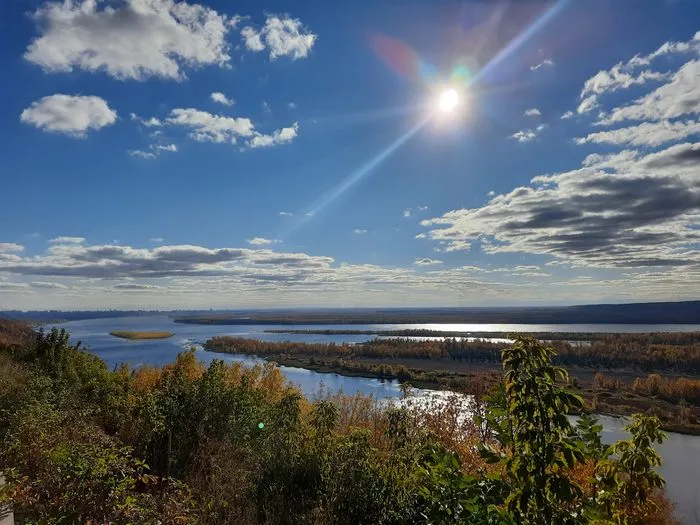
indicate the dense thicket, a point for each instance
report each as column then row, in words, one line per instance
column 632, row 351
column 667, row 338
column 226, row 444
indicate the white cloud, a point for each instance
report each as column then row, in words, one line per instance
column 407, row 212
column 638, row 212
column 615, row 79
column 259, row 241
column 281, row 36
column 47, row 285
column 67, row 240
column 220, row 98
column 426, row 261
column 157, row 239
column 70, row 115
column 676, row 98
column 533, row 112
column 422, row 208
column 286, row 214
column 9, row 286
column 277, row 137
column 148, row 155
column 587, row 104
column 567, row 115
column 135, row 286
column 135, row 39
column 10, row 247
column 524, row 135
column 491, row 193
column 206, row 127
column 358, row 231
column 547, row 62
column 149, row 123
column 292, row 105
column 154, row 150
column 252, row 39
column 645, row 134
column 624, row 75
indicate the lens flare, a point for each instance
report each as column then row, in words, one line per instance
column 448, row 101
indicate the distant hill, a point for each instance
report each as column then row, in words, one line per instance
column 686, row 312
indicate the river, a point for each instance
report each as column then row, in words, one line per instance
column 680, row 453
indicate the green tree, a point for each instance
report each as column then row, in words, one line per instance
column 629, row 477
column 540, row 447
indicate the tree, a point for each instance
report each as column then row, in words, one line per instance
column 629, row 478
column 541, row 447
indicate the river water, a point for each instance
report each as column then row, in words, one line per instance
column 680, row 453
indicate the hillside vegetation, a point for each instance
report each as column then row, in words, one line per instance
column 225, row 444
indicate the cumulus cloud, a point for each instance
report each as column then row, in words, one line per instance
column 69, row 115
column 67, row 240
column 203, row 126
column 154, row 150
column 277, row 137
column 286, row 214
column 10, row 247
column 206, row 127
column 528, row 135
column 587, row 104
column 149, row 123
column 426, row 261
column 676, row 98
column 641, row 213
column 258, row 241
column 624, row 75
column 533, row 112
column 220, row 98
column 645, row 134
column 281, row 36
column 148, row 155
column 119, row 262
column 359, row 231
column 524, row 135
column 567, row 115
column 135, row 39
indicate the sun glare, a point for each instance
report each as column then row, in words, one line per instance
column 448, row 101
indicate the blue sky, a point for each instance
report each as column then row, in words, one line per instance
column 171, row 154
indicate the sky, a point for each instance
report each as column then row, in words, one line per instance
column 216, row 154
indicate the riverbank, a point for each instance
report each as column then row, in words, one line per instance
column 616, row 392
column 676, row 338
column 599, row 401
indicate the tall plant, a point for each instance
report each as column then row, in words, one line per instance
column 541, row 447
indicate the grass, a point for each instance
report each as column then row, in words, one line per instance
column 127, row 334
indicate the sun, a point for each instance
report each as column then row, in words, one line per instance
column 448, row 101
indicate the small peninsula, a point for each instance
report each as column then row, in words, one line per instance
column 127, row 334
